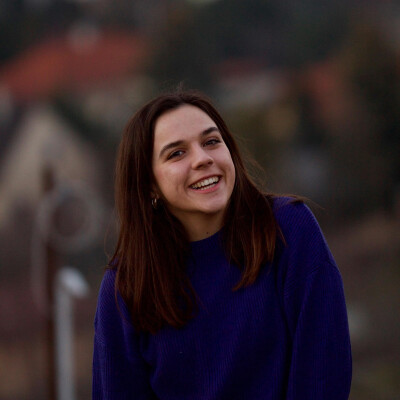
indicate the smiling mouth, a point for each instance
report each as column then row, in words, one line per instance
column 206, row 183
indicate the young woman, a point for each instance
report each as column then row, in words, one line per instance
column 216, row 290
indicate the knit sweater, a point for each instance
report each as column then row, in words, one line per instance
column 285, row 337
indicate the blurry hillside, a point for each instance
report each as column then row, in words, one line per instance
column 311, row 88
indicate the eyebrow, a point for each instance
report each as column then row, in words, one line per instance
column 180, row 142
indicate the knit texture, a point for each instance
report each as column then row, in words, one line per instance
column 285, row 337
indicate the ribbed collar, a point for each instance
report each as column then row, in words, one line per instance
column 209, row 247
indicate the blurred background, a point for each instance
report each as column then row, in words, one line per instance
column 311, row 88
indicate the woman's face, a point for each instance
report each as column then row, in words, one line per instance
column 192, row 166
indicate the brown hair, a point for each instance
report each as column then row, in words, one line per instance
column 150, row 255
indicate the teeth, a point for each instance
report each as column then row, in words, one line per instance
column 205, row 182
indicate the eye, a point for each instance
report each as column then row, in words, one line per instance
column 212, row 142
column 174, row 154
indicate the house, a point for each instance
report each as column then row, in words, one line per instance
column 93, row 69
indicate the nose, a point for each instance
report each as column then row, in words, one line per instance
column 201, row 158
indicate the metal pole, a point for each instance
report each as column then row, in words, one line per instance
column 69, row 283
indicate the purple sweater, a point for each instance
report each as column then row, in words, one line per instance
column 285, row 337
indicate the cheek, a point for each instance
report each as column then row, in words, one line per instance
column 159, row 177
column 231, row 167
column 233, row 176
column 168, row 179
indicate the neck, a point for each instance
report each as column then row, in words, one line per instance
column 202, row 228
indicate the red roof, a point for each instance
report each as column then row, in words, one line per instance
column 59, row 64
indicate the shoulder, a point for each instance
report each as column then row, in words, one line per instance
column 108, row 281
column 106, row 296
column 303, row 237
column 294, row 217
column 292, row 212
column 111, row 310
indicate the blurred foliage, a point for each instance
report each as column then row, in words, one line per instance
column 22, row 24
column 193, row 40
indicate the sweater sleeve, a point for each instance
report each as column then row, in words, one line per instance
column 315, row 308
column 321, row 357
column 119, row 371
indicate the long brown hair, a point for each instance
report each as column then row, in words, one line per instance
column 150, row 256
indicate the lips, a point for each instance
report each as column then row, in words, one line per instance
column 206, row 183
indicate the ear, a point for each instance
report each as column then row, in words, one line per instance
column 155, row 192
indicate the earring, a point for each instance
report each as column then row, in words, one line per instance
column 154, row 203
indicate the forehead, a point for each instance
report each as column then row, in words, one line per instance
column 180, row 122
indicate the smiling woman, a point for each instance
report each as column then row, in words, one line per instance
column 216, row 290
column 193, row 170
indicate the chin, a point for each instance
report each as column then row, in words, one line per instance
column 215, row 209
